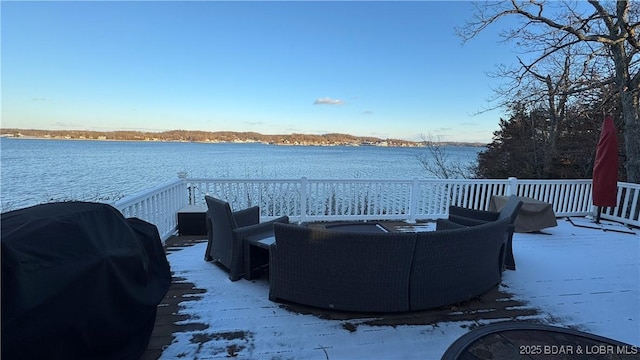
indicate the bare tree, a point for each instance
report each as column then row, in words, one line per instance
column 600, row 37
column 438, row 161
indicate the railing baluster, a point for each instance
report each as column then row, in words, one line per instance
column 305, row 199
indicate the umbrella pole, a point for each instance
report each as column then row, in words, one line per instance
column 598, row 214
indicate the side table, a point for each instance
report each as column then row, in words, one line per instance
column 192, row 220
column 256, row 253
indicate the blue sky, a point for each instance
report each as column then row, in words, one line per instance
column 383, row 69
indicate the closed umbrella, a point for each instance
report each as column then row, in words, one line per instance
column 605, row 167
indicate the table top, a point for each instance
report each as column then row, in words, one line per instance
column 261, row 240
column 193, row 209
column 358, row 227
column 519, row 340
column 265, row 240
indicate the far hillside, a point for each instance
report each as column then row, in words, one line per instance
column 220, row 136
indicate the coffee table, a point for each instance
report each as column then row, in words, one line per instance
column 256, row 247
column 372, row 227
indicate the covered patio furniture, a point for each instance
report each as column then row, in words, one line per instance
column 471, row 217
column 534, row 215
column 79, row 281
column 227, row 230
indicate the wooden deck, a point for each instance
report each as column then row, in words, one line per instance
column 169, row 310
column 496, row 305
column 490, row 306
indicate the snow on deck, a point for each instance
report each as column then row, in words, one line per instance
column 584, row 278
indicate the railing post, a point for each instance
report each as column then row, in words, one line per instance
column 413, row 201
column 182, row 175
column 512, row 188
column 304, row 182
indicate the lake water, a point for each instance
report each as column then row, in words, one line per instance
column 34, row 171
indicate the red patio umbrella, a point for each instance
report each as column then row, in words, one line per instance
column 605, row 167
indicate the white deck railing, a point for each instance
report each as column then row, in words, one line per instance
column 158, row 206
column 354, row 199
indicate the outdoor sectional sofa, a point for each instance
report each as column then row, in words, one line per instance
column 472, row 217
column 385, row 272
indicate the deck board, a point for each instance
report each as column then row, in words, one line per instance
column 492, row 305
column 499, row 304
column 168, row 313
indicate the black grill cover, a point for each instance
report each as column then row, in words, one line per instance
column 79, row 281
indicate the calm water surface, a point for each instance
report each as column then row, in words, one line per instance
column 34, row 171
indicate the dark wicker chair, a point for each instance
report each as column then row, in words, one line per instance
column 471, row 217
column 340, row 270
column 456, row 263
column 227, row 231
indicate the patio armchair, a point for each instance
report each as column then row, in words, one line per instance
column 472, row 217
column 227, row 230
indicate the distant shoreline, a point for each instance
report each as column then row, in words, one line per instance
column 224, row 137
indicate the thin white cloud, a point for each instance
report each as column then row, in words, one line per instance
column 67, row 125
column 253, row 123
column 328, row 101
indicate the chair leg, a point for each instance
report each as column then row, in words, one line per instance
column 237, row 259
column 509, row 261
column 207, row 253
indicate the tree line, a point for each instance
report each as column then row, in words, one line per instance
column 578, row 62
column 208, row 136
